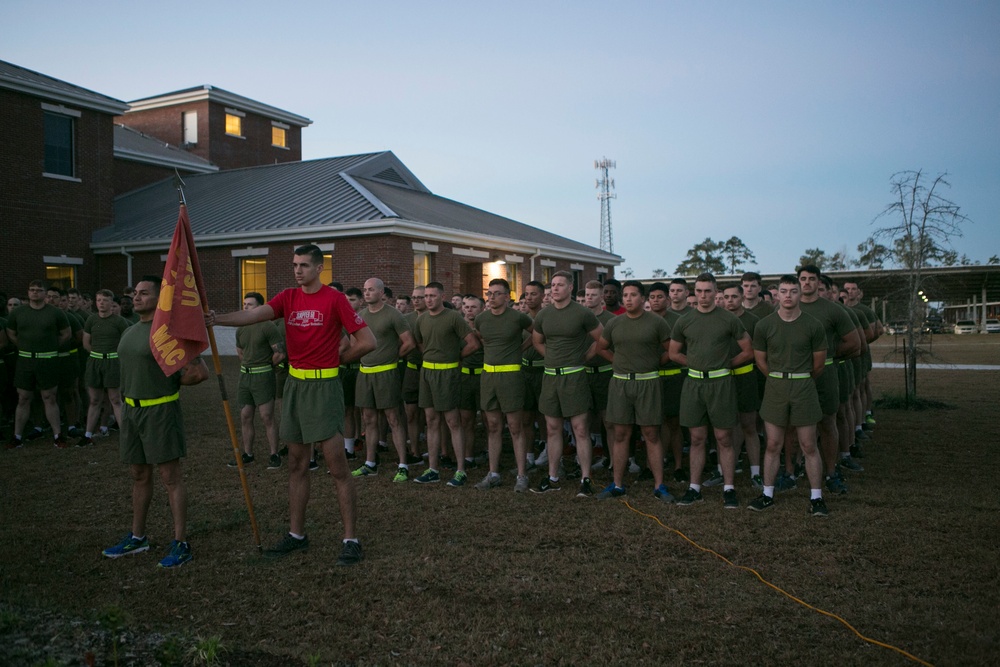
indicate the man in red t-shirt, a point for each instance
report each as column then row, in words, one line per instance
column 313, row 405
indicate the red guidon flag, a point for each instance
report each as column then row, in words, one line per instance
column 179, row 333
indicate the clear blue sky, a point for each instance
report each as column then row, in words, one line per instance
column 778, row 122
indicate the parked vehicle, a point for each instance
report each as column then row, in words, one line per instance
column 896, row 328
column 992, row 326
column 965, row 327
column 934, row 325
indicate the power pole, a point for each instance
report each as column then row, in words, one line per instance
column 605, row 186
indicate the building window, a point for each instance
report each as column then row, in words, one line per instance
column 514, row 278
column 421, row 268
column 547, row 272
column 326, row 275
column 234, row 125
column 602, row 278
column 59, row 144
column 253, row 274
column 60, row 275
column 577, row 281
column 279, row 134
column 190, row 127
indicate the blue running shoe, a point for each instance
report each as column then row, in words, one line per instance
column 179, row 554
column 662, row 494
column 130, row 545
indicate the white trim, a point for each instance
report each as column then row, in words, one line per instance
column 576, row 267
column 221, row 97
column 516, row 259
column 62, row 259
column 146, row 158
column 250, row 252
column 463, row 252
column 282, row 126
column 602, row 269
column 60, row 109
column 236, row 112
column 421, row 246
column 60, row 177
column 547, row 262
column 372, row 199
column 325, row 247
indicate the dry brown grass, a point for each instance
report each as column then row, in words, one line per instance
column 457, row 576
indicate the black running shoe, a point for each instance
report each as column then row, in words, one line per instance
column 729, row 500
column 287, row 545
column 818, row 507
column 690, row 497
column 350, row 554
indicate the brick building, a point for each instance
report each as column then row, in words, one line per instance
column 369, row 213
column 141, row 160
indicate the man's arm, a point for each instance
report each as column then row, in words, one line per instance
column 604, row 349
column 239, row 318
column 65, row 335
column 746, row 352
column 194, row 373
column 760, row 356
column 86, row 342
column 471, row 344
column 849, row 346
column 676, row 355
column 406, row 344
column 593, row 350
column 819, row 361
column 278, row 354
column 12, row 337
column 538, row 341
column 360, row 343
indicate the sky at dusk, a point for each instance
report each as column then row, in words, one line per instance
column 777, row 122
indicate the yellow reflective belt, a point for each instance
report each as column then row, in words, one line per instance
column 506, row 368
column 600, row 369
column 652, row 375
column 254, row 370
column 566, row 370
column 37, row 355
column 440, row 367
column 472, row 371
column 701, row 375
column 828, row 361
column 670, row 371
column 147, row 402
column 103, row 355
column 313, row 373
column 789, row 376
column 743, row 370
column 379, row 369
column 411, row 365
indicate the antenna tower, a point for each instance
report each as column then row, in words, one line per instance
column 605, row 186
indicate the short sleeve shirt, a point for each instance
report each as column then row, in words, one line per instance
column 502, row 335
column 442, row 335
column 387, row 324
column 313, row 323
column 141, row 376
column 637, row 342
column 414, row 357
column 709, row 337
column 761, row 310
column 836, row 323
column 256, row 341
column 605, row 317
column 789, row 345
column 567, row 334
column 37, row 330
column 671, row 316
column 749, row 321
column 105, row 332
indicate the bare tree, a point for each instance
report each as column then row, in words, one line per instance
column 659, row 273
column 627, row 272
column 737, row 254
column 922, row 224
column 702, row 257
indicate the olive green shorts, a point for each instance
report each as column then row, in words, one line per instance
column 151, row 435
column 348, row 379
column 379, row 391
column 532, row 379
column 845, row 380
column 440, row 389
column 670, row 390
column 102, row 374
column 866, row 358
column 829, row 391
column 411, row 385
column 469, row 398
column 791, row 403
column 599, row 383
column 255, row 389
column 709, row 401
column 747, row 398
column 502, row 392
column 565, row 395
column 638, row 402
column 280, row 375
column 36, row 374
column 312, row 410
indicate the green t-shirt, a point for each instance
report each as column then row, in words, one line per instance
column 255, row 341
column 749, row 321
column 105, row 332
column 637, row 342
column 387, row 325
column 709, row 337
column 414, row 357
column 502, row 336
column 567, row 334
column 141, row 376
column 38, row 330
column 606, row 316
column 530, row 353
column 76, row 332
column 836, row 323
column 761, row 310
column 866, row 321
column 671, row 316
column 442, row 335
column 474, row 360
column 789, row 345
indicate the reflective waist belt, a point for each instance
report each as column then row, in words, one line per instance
column 37, row 355
column 69, row 352
column 506, row 368
column 652, row 375
column 254, row 370
column 600, row 369
column 743, row 370
column 313, row 373
column 789, row 376
column 842, row 361
column 440, row 367
column 379, row 369
column 533, row 363
column 103, row 355
column 472, row 371
column 565, row 370
column 147, row 402
column 828, row 361
column 701, row 375
column 670, row 371
column 352, row 367
column 413, row 366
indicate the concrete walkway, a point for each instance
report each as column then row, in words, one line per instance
column 943, row 367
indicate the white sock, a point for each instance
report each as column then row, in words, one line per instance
column 754, row 471
column 815, row 494
column 349, row 445
column 371, row 464
column 88, row 434
column 769, row 491
column 728, row 487
column 696, row 487
column 297, row 536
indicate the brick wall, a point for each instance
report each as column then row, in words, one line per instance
column 131, row 175
column 46, row 216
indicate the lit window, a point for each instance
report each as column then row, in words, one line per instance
column 326, row 275
column 60, row 275
column 279, row 137
column 58, row 144
column 234, row 125
column 190, row 127
column 514, row 277
column 547, row 272
column 421, row 268
column 253, row 273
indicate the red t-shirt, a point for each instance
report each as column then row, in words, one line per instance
column 620, row 311
column 313, row 324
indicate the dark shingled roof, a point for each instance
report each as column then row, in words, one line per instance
column 131, row 144
column 14, row 77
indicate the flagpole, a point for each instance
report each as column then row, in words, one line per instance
column 237, row 454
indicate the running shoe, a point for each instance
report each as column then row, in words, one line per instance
column 856, row 451
column 835, row 484
column 757, row 482
column 491, row 481
column 287, row 545
column 130, row 545
column 645, row 475
column 847, row 463
column 458, row 480
column 611, row 491
column 15, row 443
column 690, row 497
column 313, row 465
column 350, row 554
column 85, row 442
column 715, row 479
column 247, row 460
column 274, row 462
column 402, row 475
column 365, row 471
column 547, row 485
column 586, row 488
column 179, row 554
column 729, row 500
column 785, row 482
column 818, row 508
column 521, row 485
column 870, row 420
column 60, row 442
column 412, row 460
column 430, row 476
column 447, row 463
column 761, row 503
column 663, row 494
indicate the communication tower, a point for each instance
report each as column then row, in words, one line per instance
column 605, row 192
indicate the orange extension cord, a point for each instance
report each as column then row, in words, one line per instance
column 783, row 592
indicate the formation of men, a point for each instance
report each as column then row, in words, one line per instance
column 619, row 367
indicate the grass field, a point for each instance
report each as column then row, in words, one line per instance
column 457, row 576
